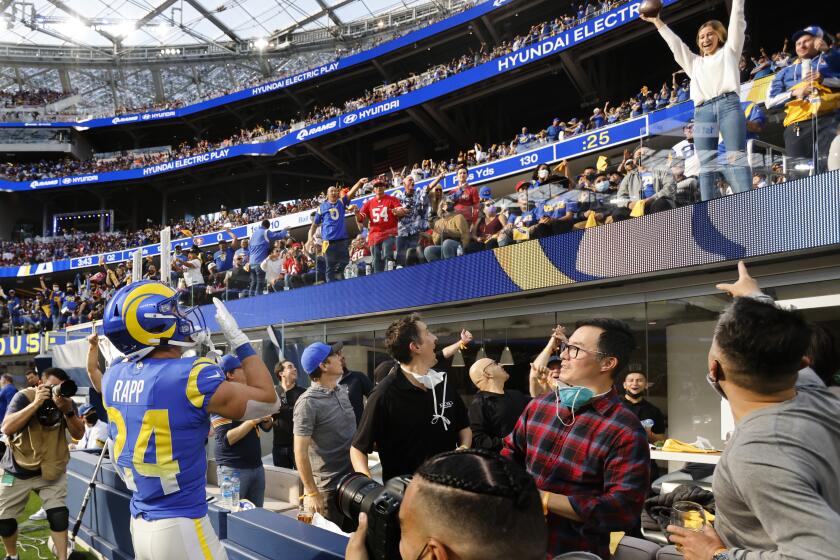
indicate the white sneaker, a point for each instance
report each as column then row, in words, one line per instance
column 39, row 515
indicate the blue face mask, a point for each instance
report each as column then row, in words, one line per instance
column 572, row 398
column 602, row 186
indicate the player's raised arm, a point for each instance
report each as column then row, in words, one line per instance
column 93, row 371
column 235, row 400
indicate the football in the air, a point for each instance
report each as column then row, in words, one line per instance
column 650, row 8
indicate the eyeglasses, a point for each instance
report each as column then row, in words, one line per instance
column 575, row 350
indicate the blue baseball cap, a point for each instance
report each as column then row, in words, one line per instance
column 484, row 193
column 85, row 408
column 553, row 359
column 315, row 354
column 229, row 363
column 812, row 30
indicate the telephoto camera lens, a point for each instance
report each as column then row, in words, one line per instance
column 358, row 493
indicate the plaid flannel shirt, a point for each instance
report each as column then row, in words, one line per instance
column 601, row 463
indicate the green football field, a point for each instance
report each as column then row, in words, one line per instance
column 32, row 535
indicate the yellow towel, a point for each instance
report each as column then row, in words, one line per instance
column 638, row 210
column 591, row 221
column 603, row 163
column 675, row 445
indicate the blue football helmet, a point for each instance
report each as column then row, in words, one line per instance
column 145, row 315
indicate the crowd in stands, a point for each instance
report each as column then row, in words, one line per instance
column 289, row 68
column 31, row 98
column 273, row 130
column 423, row 225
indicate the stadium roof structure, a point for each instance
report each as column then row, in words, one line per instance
column 118, row 26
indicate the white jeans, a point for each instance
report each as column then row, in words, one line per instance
column 177, row 538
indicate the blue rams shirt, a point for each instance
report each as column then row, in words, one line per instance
column 158, row 421
column 330, row 217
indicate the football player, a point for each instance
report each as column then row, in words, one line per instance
column 159, row 405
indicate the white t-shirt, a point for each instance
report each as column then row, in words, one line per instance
column 192, row 276
column 95, row 436
column 272, row 268
column 688, row 153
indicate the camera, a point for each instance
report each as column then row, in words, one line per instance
column 358, row 493
column 49, row 414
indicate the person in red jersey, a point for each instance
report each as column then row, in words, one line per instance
column 381, row 212
column 467, row 202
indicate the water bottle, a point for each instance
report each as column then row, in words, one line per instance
column 459, row 251
column 368, row 270
column 235, row 494
column 389, row 265
column 227, row 493
column 648, row 423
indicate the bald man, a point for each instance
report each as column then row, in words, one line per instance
column 493, row 411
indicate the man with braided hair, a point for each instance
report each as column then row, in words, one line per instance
column 466, row 505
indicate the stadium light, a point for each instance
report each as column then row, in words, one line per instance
column 261, row 43
column 125, row 28
column 75, row 26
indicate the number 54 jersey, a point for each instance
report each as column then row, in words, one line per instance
column 158, row 423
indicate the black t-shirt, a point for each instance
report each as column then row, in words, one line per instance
column 358, row 387
column 647, row 411
column 244, row 454
column 283, row 422
column 397, row 422
column 493, row 416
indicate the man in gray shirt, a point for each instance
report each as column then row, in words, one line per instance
column 324, row 424
column 777, row 486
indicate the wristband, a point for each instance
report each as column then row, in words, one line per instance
column 311, row 494
column 545, row 496
column 245, row 351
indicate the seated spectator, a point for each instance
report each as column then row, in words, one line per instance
column 451, row 234
column 237, row 279
column 494, row 410
column 469, row 505
column 490, row 227
column 687, row 188
column 520, row 222
column 655, row 189
column 272, row 266
column 96, row 431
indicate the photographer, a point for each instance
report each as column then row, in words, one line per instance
column 37, row 423
column 465, row 505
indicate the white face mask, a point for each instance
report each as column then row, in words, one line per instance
column 429, row 381
column 543, row 173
